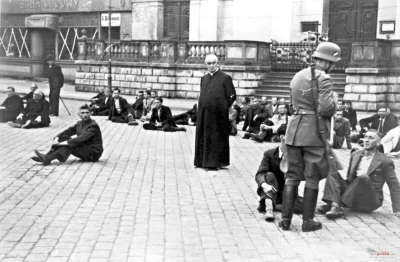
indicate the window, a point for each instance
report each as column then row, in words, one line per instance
column 309, row 26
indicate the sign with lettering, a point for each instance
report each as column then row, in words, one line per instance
column 115, row 19
column 48, row 4
column 45, row 6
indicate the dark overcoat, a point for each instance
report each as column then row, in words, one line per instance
column 14, row 105
column 217, row 94
column 40, row 108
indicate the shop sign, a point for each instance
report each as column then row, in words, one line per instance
column 115, row 19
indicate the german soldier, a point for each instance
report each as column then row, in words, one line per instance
column 306, row 138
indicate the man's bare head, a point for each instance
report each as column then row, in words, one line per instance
column 33, row 87
column 38, row 94
column 211, row 63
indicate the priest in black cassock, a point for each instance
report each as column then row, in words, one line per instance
column 217, row 94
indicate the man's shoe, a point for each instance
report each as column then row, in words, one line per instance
column 256, row 138
column 36, row 159
column 27, row 124
column 269, row 216
column 42, row 158
column 261, row 207
column 16, row 125
column 324, row 208
column 335, row 212
column 133, row 123
column 311, row 225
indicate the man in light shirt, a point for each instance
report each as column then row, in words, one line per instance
column 368, row 171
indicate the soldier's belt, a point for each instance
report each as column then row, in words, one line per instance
column 304, row 112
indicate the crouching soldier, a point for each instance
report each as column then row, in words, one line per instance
column 87, row 145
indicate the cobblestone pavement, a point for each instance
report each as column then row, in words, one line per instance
column 145, row 201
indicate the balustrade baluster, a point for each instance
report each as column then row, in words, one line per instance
column 207, row 50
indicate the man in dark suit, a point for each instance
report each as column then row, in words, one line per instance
column 13, row 105
column 35, row 114
column 28, row 96
column 137, row 107
column 56, row 81
column 97, row 98
column 103, row 107
column 271, row 180
column 255, row 115
column 119, row 110
column 183, row 119
column 368, row 171
column 273, row 107
column 161, row 118
column 87, row 145
column 342, row 131
column 350, row 114
column 379, row 122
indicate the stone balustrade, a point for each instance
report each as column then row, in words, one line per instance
column 291, row 55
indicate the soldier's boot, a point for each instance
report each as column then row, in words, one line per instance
column 289, row 196
column 310, row 202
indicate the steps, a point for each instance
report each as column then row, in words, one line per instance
column 277, row 84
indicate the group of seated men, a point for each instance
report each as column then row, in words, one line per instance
column 34, row 114
column 147, row 107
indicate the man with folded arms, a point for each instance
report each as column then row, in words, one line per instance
column 13, row 105
column 35, row 114
column 368, row 171
column 103, row 107
column 342, row 130
column 87, row 143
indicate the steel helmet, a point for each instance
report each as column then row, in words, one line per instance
column 328, row 51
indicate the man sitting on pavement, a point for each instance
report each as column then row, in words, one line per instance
column 35, row 114
column 161, row 118
column 137, row 107
column 270, row 126
column 379, row 121
column 368, row 171
column 104, row 105
column 183, row 119
column 28, row 96
column 147, row 106
column 271, row 180
column 350, row 114
column 87, row 143
column 97, row 98
column 341, row 131
column 13, row 105
column 120, row 110
column 390, row 144
column 255, row 115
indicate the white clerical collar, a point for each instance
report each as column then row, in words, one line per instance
column 211, row 74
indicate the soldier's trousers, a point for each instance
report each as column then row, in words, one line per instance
column 307, row 163
column 358, row 195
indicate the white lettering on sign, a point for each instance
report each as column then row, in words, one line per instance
column 115, row 19
column 50, row 4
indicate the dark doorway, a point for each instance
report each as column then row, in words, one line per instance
column 176, row 20
column 351, row 21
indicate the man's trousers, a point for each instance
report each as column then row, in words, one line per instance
column 34, row 124
column 54, row 99
column 165, row 128
column 358, row 195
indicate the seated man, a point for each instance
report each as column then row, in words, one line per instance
column 390, row 144
column 97, row 98
column 147, row 106
column 137, row 107
column 368, row 171
column 243, row 108
column 119, row 110
column 161, row 118
column 255, row 115
column 87, row 143
column 273, row 107
column 28, row 96
column 35, row 114
column 232, row 120
column 350, row 114
column 379, row 122
column 104, row 105
column 271, row 180
column 270, row 126
column 13, row 105
column 342, row 131
column 183, row 119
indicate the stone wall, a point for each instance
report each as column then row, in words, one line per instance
column 370, row 89
column 179, row 81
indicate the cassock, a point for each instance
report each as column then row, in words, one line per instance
column 217, row 94
column 14, row 106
